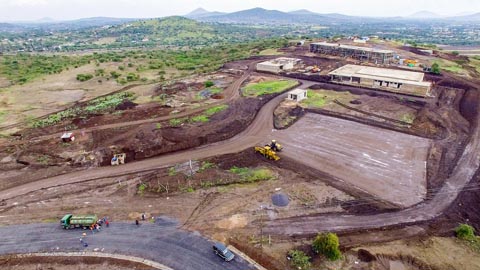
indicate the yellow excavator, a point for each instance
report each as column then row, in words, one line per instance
column 270, row 150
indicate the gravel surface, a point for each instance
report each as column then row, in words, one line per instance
column 161, row 242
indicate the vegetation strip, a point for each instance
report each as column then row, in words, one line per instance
column 100, row 255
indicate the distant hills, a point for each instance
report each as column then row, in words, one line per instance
column 249, row 16
column 424, row 15
column 265, row 16
column 202, row 13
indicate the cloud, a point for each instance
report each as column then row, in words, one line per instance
column 22, row 3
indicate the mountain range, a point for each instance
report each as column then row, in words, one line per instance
column 249, row 16
column 260, row 15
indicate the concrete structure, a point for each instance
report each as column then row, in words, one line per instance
column 68, row 137
column 399, row 81
column 279, row 65
column 297, row 94
column 366, row 54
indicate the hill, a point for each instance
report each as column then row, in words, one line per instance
column 424, row 15
column 275, row 17
column 179, row 31
column 201, row 13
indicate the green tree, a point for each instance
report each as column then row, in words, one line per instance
column 328, row 245
column 465, row 232
column 436, row 68
column 209, row 84
column 299, row 259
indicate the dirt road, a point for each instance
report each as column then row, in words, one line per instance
column 161, row 242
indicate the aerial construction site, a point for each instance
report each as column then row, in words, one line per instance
column 262, row 155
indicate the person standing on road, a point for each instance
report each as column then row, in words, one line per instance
column 136, row 222
column 143, row 216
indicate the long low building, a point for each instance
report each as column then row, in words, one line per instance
column 393, row 80
column 377, row 56
column 279, row 64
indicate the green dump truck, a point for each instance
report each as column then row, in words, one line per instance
column 70, row 221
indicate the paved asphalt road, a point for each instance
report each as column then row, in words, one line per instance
column 162, row 242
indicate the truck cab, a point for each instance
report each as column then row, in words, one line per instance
column 65, row 221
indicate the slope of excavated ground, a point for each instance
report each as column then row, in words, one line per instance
column 147, row 141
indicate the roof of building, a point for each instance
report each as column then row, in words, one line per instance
column 374, row 73
column 367, row 49
column 281, row 61
column 67, row 135
column 297, row 91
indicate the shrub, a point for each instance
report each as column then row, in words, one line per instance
column 465, row 232
column 115, row 74
column 209, row 84
column 84, row 77
column 435, row 68
column 299, row 259
column 328, row 245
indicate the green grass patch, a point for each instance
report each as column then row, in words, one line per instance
column 408, row 117
column 216, row 109
column 314, row 99
column 98, row 105
column 322, row 98
column 175, row 122
column 199, row 119
column 268, row 87
column 205, row 117
column 270, row 52
column 253, row 175
column 450, row 66
column 206, row 165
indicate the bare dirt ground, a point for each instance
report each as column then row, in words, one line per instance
column 73, row 263
column 386, row 164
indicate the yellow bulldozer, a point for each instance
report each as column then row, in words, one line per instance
column 270, row 150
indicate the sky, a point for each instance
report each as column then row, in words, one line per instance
column 15, row 10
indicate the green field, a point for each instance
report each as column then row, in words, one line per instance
column 322, row 98
column 450, row 66
column 268, row 87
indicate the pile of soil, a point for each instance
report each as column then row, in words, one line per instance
column 286, row 114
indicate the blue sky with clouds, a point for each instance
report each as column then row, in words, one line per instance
column 72, row 9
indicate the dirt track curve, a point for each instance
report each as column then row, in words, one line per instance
column 260, row 130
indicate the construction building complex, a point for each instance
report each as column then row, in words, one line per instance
column 366, row 54
column 392, row 80
column 279, row 65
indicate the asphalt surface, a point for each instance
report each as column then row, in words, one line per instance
column 161, row 242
